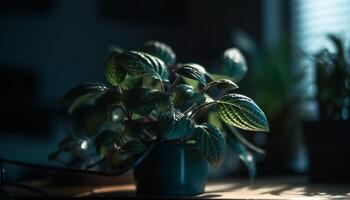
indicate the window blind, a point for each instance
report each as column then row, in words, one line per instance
column 313, row 19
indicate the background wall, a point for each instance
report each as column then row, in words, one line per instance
column 47, row 47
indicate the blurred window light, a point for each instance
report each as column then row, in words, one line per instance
column 311, row 20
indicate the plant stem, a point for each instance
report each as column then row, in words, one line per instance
column 174, row 83
column 200, row 107
column 122, row 107
column 235, row 132
column 189, row 109
column 120, row 90
column 162, row 86
column 170, row 106
column 125, row 112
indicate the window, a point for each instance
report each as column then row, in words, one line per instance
column 312, row 20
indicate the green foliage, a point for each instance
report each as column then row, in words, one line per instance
column 115, row 73
column 142, row 106
column 278, row 88
column 224, row 84
column 108, row 141
column 143, row 100
column 201, row 99
column 82, row 93
column 192, row 71
column 143, row 64
column 131, row 82
column 243, row 154
column 211, row 142
column 110, row 98
column 94, row 120
column 234, row 64
column 240, row 111
column 161, row 51
column 174, row 125
column 183, row 93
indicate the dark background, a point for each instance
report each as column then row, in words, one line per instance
column 47, row 47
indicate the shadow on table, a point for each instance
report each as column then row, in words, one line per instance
column 291, row 187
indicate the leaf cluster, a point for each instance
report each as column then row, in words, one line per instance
column 151, row 97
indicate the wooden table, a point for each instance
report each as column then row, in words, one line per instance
column 263, row 188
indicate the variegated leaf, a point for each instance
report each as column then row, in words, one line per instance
column 161, row 51
column 115, row 73
column 193, row 71
column 143, row 64
column 211, row 142
column 242, row 112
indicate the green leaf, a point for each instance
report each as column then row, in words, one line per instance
column 192, row 71
column 134, row 129
column 243, row 154
column 143, row 64
column 242, row 112
column 131, row 82
column 183, row 93
column 115, row 73
column 117, row 115
column 225, row 84
column 211, row 142
column 143, row 100
column 174, row 125
column 108, row 141
column 111, row 98
column 84, row 99
column 94, row 120
column 161, row 51
column 234, row 64
column 83, row 93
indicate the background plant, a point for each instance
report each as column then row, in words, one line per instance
column 153, row 98
column 282, row 89
column 333, row 80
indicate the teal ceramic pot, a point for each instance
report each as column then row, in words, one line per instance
column 172, row 169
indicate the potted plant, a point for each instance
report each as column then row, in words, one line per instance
column 327, row 138
column 151, row 106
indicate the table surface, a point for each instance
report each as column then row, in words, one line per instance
column 263, row 188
